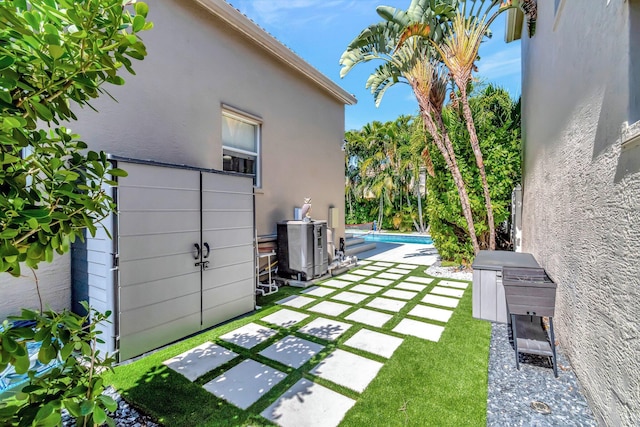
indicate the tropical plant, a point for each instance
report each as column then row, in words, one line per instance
column 403, row 42
column 56, row 55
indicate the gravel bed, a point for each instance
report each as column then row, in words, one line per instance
column 511, row 391
column 449, row 272
column 125, row 416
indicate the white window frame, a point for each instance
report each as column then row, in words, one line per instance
column 237, row 114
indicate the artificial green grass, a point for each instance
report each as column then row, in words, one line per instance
column 423, row 384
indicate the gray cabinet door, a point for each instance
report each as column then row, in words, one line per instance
column 159, row 284
column 167, row 289
column 228, row 280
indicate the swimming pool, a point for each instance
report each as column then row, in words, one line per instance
column 396, row 238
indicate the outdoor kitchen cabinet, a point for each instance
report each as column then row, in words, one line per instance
column 488, row 293
column 180, row 258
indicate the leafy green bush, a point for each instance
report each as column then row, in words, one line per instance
column 497, row 120
column 55, row 54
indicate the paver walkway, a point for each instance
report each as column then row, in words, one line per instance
column 374, row 306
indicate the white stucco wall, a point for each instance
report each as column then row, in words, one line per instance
column 170, row 111
column 581, row 208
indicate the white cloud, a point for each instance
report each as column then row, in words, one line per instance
column 501, row 63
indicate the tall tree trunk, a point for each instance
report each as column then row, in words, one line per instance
column 420, row 208
column 381, row 211
column 446, row 148
column 475, row 145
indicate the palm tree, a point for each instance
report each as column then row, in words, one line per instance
column 459, row 51
column 402, row 42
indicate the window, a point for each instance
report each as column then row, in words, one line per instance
column 241, row 144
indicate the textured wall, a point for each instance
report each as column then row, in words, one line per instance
column 54, row 280
column 581, row 208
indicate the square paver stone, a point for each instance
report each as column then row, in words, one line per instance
column 439, row 314
column 369, row 317
column 310, row 405
column 366, row 289
column 411, row 286
column 374, row 342
column 363, row 272
column 376, row 281
column 333, row 283
column 374, row 268
column 441, row 301
column 383, row 264
column 398, row 271
column 285, row 318
column 330, row 308
column 363, row 262
column 317, row 291
column 199, row 360
column 350, row 277
column 351, row 297
column 451, row 284
column 422, row 330
column 245, row 383
column 392, row 305
column 348, row 370
column 396, row 293
column 406, row 266
column 292, row 351
column 423, row 280
column 296, row 301
column 326, row 329
column 447, row 292
column 249, row 335
column 391, row 276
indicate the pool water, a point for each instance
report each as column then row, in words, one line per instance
column 397, row 238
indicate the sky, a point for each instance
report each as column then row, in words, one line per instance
column 320, row 30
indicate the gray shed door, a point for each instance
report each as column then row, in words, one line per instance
column 163, row 294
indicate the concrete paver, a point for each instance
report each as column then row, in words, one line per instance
column 441, row 301
column 366, row 289
column 317, row 291
column 326, row 329
column 439, row 314
column 386, row 304
column 310, row 405
column 249, row 335
column 296, row 301
column 411, row 286
column 423, row 280
column 452, row 284
column 285, row 318
column 351, row 297
column 348, row 370
column 380, row 282
column 330, row 308
column 406, row 266
column 334, row 283
column 196, row 362
column 350, row 277
column 363, row 272
column 383, row 264
column 398, row 271
column 375, row 268
column 391, row 276
column 292, row 351
column 374, row 342
column 422, row 330
column 396, row 293
column 369, row 317
column 245, row 383
column 447, row 292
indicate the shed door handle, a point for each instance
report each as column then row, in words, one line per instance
column 196, row 254
column 206, row 246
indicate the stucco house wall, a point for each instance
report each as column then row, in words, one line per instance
column 199, row 59
column 581, row 206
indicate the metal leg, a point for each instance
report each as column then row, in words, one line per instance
column 553, row 347
column 515, row 339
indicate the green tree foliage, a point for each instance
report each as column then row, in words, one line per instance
column 497, row 120
column 56, row 55
column 383, row 168
column 53, row 55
